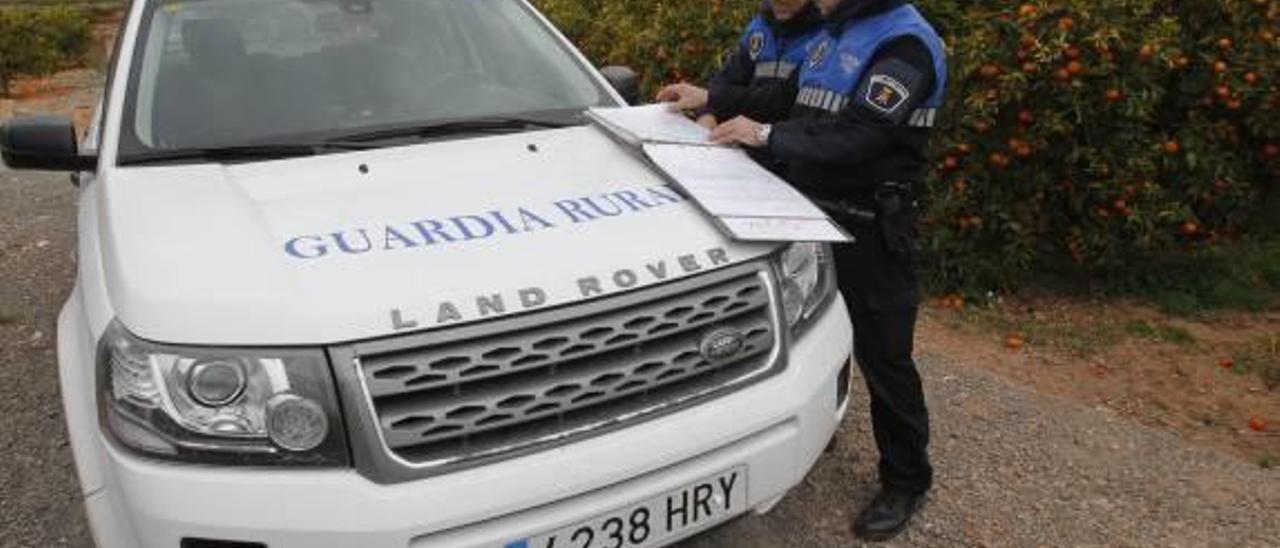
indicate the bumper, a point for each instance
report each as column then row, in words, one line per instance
column 777, row 429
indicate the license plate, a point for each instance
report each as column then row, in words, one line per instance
column 654, row 521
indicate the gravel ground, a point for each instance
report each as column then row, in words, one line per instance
column 39, row 496
column 1021, row 468
column 1015, row 467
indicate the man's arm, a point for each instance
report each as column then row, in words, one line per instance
column 737, row 71
column 738, row 68
column 864, row 128
column 766, row 103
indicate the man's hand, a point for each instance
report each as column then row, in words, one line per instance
column 741, row 131
column 683, row 96
column 708, row 121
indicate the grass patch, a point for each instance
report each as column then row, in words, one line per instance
column 1261, row 357
column 1081, row 340
column 1158, row 332
column 1243, row 276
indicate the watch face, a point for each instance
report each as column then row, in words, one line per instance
column 762, row 135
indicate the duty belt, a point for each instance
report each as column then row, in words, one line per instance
column 887, row 201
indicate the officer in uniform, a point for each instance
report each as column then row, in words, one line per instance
column 772, row 48
column 852, row 127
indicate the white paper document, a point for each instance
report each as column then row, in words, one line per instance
column 774, row 229
column 746, row 200
column 651, row 124
column 727, row 182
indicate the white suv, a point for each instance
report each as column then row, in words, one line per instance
column 357, row 273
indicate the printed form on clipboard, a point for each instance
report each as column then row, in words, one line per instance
column 746, row 201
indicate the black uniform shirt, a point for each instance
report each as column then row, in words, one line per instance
column 850, row 152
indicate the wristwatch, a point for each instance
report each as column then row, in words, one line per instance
column 762, row 134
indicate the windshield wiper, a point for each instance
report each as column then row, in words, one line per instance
column 266, row 151
column 356, row 140
column 501, row 124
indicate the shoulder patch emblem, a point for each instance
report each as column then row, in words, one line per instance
column 819, row 53
column 886, row 93
column 756, row 44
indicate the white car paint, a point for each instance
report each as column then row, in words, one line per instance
column 196, row 255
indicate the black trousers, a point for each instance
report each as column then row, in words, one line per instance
column 883, row 295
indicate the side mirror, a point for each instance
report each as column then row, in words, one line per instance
column 625, row 80
column 43, row 143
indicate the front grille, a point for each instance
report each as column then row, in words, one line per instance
column 565, row 374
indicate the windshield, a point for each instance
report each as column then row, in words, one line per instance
column 215, row 73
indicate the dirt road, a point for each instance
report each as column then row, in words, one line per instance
column 1015, row 467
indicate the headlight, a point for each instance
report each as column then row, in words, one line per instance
column 808, row 281
column 251, row 407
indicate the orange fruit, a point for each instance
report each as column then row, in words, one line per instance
column 989, row 71
column 1147, row 51
column 1251, row 78
column 1075, row 67
column 1224, row 43
column 1061, row 75
column 1220, row 67
column 1026, row 117
column 1015, row 341
column 1114, row 95
column 1072, row 52
column 1027, row 10
column 1066, row 24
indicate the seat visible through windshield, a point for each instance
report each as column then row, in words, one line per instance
column 227, row 72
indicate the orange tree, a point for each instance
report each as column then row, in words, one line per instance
column 1078, row 134
column 35, row 41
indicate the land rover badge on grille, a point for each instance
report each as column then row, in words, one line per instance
column 722, row 344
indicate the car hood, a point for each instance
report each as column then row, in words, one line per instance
column 358, row 245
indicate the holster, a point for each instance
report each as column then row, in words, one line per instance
column 846, row 213
column 893, row 217
column 889, row 211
